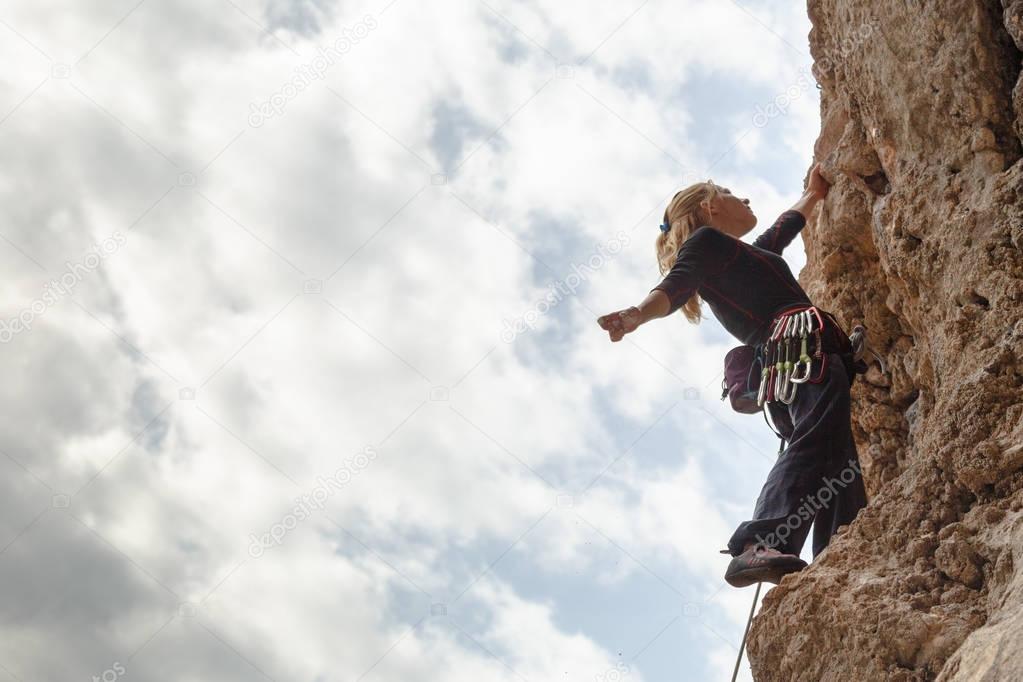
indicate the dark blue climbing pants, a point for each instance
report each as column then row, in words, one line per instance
column 817, row 478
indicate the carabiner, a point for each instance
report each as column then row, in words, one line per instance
column 784, row 365
column 790, row 395
column 804, row 358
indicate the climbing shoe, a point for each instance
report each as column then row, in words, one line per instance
column 761, row 564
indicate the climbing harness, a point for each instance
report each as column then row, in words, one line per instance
column 800, row 339
column 795, row 352
column 788, row 361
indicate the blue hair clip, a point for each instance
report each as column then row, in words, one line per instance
column 665, row 227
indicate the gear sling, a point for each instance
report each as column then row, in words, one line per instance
column 795, row 352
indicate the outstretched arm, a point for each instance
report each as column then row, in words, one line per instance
column 621, row 322
column 698, row 257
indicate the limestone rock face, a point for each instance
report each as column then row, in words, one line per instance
column 919, row 239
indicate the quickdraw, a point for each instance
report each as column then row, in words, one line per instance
column 788, row 361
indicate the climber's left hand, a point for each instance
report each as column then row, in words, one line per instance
column 819, row 185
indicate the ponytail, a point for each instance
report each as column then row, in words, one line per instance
column 684, row 215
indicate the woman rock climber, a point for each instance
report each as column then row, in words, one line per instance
column 817, row 478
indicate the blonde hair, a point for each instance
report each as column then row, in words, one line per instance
column 687, row 212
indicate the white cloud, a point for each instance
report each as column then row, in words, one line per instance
column 291, row 293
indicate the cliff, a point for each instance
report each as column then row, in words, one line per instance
column 920, row 239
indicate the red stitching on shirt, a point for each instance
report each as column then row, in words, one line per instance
column 774, row 231
column 724, row 267
column 672, row 299
column 778, row 274
column 732, row 303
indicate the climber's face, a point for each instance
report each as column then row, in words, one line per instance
column 730, row 214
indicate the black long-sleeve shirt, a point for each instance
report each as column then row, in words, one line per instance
column 745, row 285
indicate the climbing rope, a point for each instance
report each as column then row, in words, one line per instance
column 756, row 595
column 781, row 444
column 749, row 621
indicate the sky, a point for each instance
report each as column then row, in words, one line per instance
column 303, row 375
